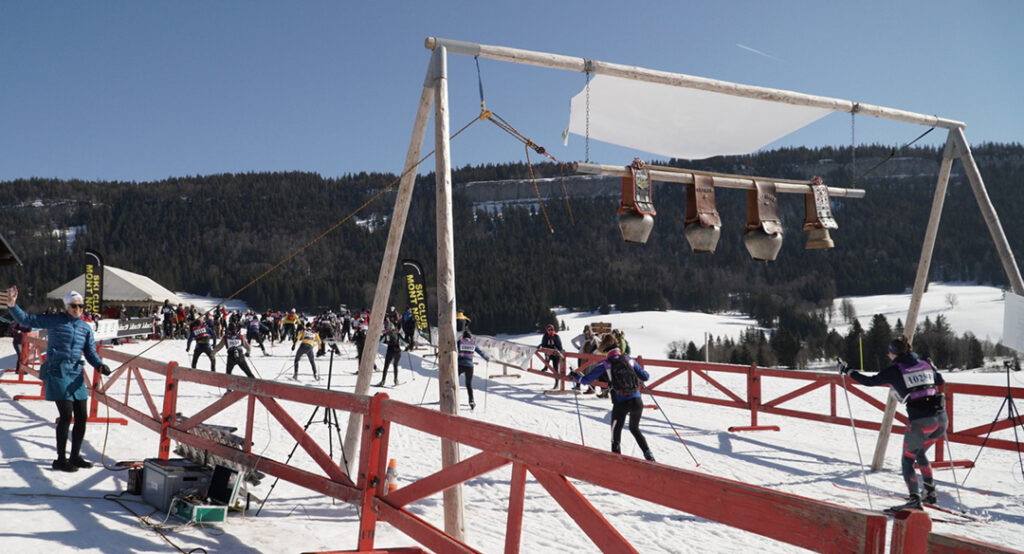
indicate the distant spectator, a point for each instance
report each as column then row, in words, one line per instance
column 553, row 342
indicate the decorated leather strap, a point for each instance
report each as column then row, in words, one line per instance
column 637, row 194
column 763, row 209
column 818, row 208
column 700, row 202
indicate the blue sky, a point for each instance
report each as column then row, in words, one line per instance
column 140, row 91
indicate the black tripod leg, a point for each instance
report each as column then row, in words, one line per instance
column 288, row 459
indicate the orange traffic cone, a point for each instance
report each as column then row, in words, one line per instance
column 392, row 476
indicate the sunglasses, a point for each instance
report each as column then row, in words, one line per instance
column 77, row 306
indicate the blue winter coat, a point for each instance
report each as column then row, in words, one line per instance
column 68, row 338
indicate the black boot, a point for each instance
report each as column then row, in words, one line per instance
column 61, row 464
column 648, row 456
column 78, row 461
column 913, row 503
column 930, row 496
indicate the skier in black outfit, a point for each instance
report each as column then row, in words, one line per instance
column 393, row 340
column 238, row 349
column 203, row 334
column 625, row 375
column 552, row 341
column 255, row 331
column 467, row 347
column 917, row 385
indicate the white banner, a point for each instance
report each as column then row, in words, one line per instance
column 681, row 122
column 106, row 329
column 1013, row 321
column 511, row 353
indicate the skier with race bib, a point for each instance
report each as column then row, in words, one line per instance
column 467, row 348
column 917, row 385
column 624, row 376
column 238, row 348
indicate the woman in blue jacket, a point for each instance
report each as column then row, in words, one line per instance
column 68, row 338
column 624, row 377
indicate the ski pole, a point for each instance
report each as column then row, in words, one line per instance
column 846, row 393
column 576, row 397
column 952, row 466
column 487, row 368
column 425, row 387
column 671, row 425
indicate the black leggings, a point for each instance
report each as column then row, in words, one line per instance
column 468, row 370
column 634, row 407
column 68, row 409
column 204, row 349
column 304, row 350
column 235, row 357
column 391, row 357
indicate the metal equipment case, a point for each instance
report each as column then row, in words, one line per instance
column 163, row 479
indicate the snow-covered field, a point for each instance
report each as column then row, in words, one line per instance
column 47, row 511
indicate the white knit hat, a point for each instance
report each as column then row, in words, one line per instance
column 72, row 298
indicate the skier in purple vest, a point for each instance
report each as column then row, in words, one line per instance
column 917, row 385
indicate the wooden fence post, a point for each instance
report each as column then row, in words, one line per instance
column 170, row 410
column 370, row 481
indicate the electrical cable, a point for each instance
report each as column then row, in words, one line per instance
column 311, row 242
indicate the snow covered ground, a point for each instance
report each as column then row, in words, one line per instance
column 47, row 511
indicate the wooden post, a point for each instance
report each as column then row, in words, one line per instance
column 387, row 266
column 170, row 411
column 723, row 180
column 988, row 212
column 448, row 379
column 920, row 282
column 596, row 67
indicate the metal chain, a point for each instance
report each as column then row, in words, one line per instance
column 853, row 143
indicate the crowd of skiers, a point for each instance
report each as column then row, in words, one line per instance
column 309, row 336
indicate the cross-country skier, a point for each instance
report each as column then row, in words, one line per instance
column 289, row 326
column 393, row 340
column 467, row 348
column 201, row 332
column 917, row 384
column 307, row 339
column 238, row 349
column 624, row 376
column 255, row 331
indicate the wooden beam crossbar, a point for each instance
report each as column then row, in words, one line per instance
column 307, row 442
column 719, row 386
column 218, row 406
column 583, row 513
column 793, row 394
column 447, row 477
column 146, row 394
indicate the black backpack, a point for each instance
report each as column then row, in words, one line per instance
column 624, row 380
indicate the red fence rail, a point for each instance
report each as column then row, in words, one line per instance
column 788, row 518
column 749, row 396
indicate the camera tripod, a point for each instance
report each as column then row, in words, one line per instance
column 1014, row 418
column 330, row 419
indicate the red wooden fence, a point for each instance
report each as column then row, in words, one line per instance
column 788, row 518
